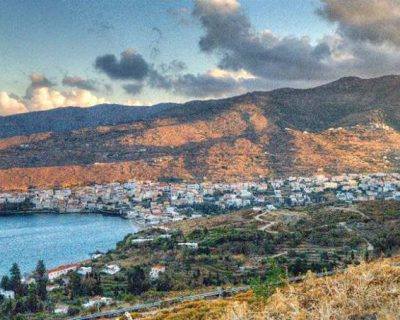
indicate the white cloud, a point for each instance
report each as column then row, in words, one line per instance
column 10, row 105
column 237, row 75
column 45, row 98
column 222, row 6
column 48, row 98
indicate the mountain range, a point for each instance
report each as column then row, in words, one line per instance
column 349, row 125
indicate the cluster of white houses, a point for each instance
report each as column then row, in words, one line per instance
column 156, row 202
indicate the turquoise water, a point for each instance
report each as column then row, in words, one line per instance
column 57, row 238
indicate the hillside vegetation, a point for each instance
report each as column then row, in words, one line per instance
column 368, row 291
column 350, row 125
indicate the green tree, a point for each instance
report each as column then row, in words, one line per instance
column 15, row 280
column 275, row 277
column 136, row 279
column 91, row 285
column 19, row 307
column 73, row 311
column 6, row 308
column 41, row 280
column 298, row 266
column 74, row 286
column 5, row 283
column 32, row 301
column 164, row 282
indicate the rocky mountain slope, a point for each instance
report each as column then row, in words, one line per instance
column 350, row 125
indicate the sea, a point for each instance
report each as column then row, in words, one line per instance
column 57, row 238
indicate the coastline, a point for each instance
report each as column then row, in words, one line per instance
column 13, row 212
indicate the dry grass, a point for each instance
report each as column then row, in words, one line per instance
column 234, row 220
column 368, row 291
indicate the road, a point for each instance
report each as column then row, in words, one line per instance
column 156, row 304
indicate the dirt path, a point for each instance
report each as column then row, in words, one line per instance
column 370, row 246
column 352, row 209
column 267, row 224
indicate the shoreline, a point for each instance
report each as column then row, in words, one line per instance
column 139, row 221
column 54, row 211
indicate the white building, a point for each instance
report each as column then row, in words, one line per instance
column 112, row 269
column 155, row 271
column 83, row 271
column 61, row 271
column 192, row 245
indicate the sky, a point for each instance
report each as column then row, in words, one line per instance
column 58, row 53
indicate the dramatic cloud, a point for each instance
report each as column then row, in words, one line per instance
column 10, row 105
column 159, row 80
column 131, row 66
column 41, row 95
column 80, row 83
column 37, row 81
column 133, row 88
column 46, row 98
column 214, row 83
column 40, row 81
column 377, row 21
column 203, row 85
column 229, row 33
column 364, row 44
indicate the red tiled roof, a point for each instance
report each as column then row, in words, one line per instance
column 64, row 267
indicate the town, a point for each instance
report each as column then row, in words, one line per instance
column 159, row 202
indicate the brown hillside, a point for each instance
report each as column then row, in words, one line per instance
column 276, row 133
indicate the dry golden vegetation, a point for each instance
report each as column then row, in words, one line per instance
column 368, row 291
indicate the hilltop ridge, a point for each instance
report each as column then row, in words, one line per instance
column 349, row 125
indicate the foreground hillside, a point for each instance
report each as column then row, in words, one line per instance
column 368, row 291
column 350, row 125
column 235, row 251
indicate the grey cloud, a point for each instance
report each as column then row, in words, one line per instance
column 359, row 47
column 229, row 34
column 37, row 81
column 78, row 82
column 191, row 85
column 377, row 21
column 204, row 85
column 159, row 80
column 130, row 66
column 133, row 88
column 40, row 81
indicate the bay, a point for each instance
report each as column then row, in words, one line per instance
column 57, row 238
